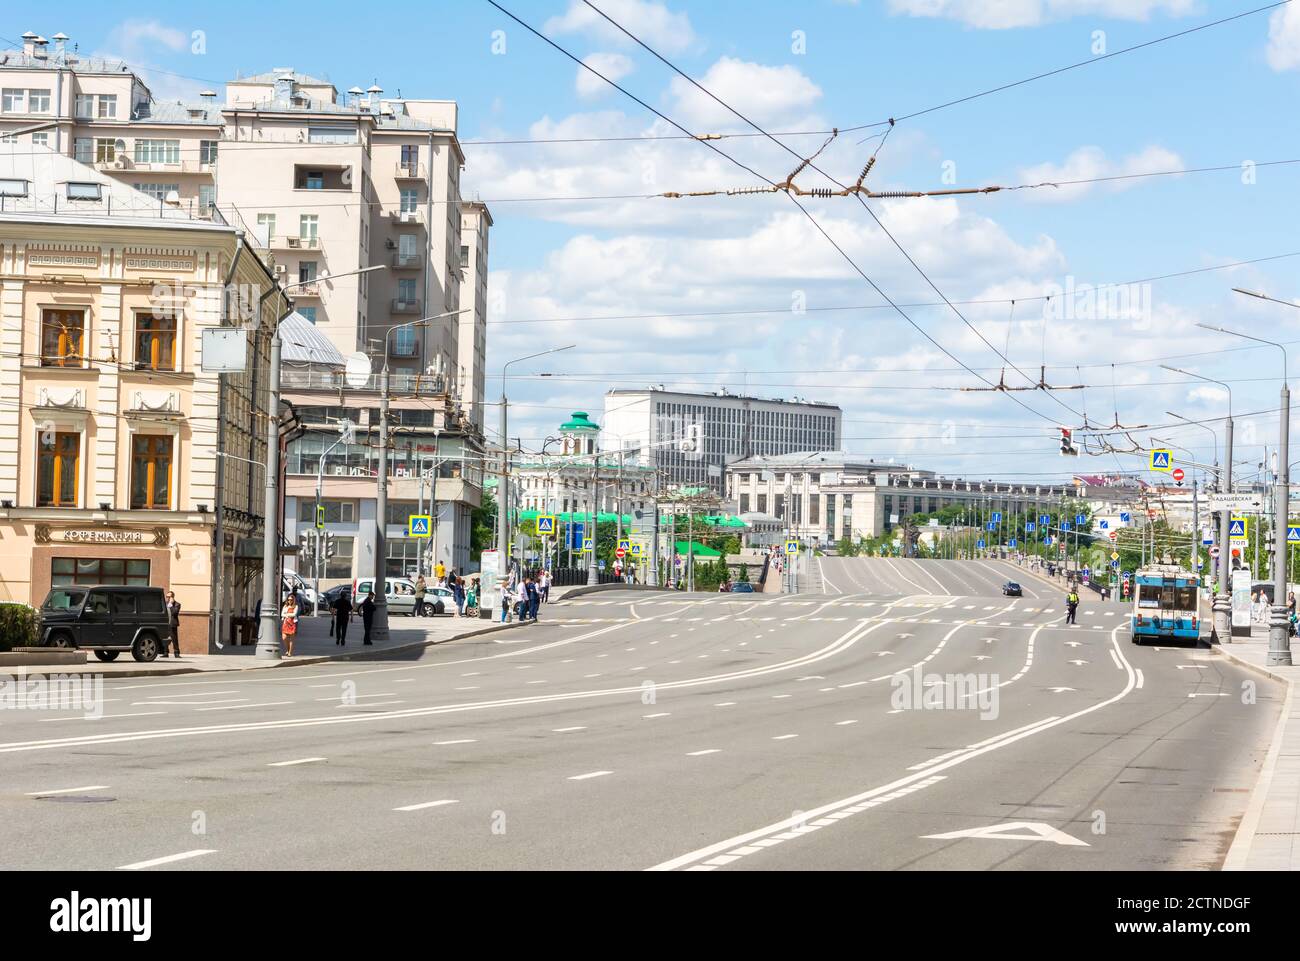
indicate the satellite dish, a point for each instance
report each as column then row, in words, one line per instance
column 356, row 374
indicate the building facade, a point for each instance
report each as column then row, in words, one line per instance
column 581, row 478
column 825, row 497
column 653, row 426
column 122, row 461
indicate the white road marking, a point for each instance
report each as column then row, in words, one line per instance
column 842, row 723
column 240, row 707
column 1115, row 657
column 170, row 859
column 104, row 717
column 712, row 750
column 784, row 737
column 301, row 760
column 229, row 700
column 726, row 704
column 427, row 804
column 463, row 740
column 566, row 730
column 583, row 777
column 67, row 790
column 372, row 704
column 1141, row 679
column 660, row 714
column 207, row 693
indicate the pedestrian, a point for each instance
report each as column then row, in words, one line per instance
column 367, row 618
column 546, row 587
column 440, row 572
column 1071, row 607
column 533, row 597
column 507, row 598
column 173, row 625
column 342, row 617
column 289, row 623
column 421, row 588
column 1290, row 602
column 458, row 593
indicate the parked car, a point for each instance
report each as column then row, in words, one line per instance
column 107, row 620
column 400, row 595
column 1012, row 589
column 742, row 587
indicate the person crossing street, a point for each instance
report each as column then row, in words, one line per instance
column 1071, row 606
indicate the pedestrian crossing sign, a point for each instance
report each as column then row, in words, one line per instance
column 1293, row 535
column 637, row 550
column 546, row 523
column 1162, row 460
column 625, row 546
column 587, row 545
column 419, row 525
column 1239, row 529
column 792, row 548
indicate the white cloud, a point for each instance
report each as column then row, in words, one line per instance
column 1005, row 14
column 1284, row 38
column 615, row 66
column 137, row 37
column 762, row 93
column 1090, row 163
column 652, row 22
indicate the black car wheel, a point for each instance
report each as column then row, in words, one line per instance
column 62, row 640
column 107, row 655
column 145, row 648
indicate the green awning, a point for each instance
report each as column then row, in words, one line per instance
column 699, row 550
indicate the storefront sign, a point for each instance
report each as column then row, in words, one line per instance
column 152, row 537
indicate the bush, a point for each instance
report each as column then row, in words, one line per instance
column 17, row 626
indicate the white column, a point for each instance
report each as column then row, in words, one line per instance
column 108, row 404
column 11, row 348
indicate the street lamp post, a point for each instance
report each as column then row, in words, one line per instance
column 503, row 488
column 268, row 634
column 1222, row 597
column 1279, row 627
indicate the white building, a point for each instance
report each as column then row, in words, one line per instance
column 651, row 424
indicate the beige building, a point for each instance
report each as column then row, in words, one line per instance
column 118, row 453
column 475, row 222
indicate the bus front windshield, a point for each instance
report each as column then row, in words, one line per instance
column 1166, row 597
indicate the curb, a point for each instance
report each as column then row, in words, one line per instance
column 1250, row 665
column 1239, row 851
column 303, row 661
column 603, row 588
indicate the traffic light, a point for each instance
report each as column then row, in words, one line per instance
column 1067, row 443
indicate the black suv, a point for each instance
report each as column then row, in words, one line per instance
column 107, row 620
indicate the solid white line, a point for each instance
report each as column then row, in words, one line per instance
column 184, row 855
column 566, row 730
column 1115, row 657
column 1141, row 679
column 301, row 760
column 67, row 790
column 104, row 717
column 583, row 777
column 660, row 714
column 464, row 740
column 784, row 737
column 842, row 723
column 204, row 694
column 426, row 804
column 240, row 707
column 229, row 700
column 712, row 750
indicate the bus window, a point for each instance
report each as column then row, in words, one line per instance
column 1186, row 599
column 1149, row 596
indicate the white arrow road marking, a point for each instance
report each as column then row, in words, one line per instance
column 1028, row 831
column 1074, row 643
column 883, row 653
column 983, row 657
column 184, row 855
column 1077, row 663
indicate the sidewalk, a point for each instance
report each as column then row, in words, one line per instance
column 1267, row 836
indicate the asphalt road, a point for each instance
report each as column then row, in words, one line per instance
column 633, row 731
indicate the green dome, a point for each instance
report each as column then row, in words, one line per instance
column 579, row 420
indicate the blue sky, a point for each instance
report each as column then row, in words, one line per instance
column 1223, row 96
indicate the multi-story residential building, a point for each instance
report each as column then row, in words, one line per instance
column 475, row 220
column 824, row 497
column 113, row 438
column 329, row 183
column 653, row 425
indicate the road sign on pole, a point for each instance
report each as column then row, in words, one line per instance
column 1235, row 502
column 419, row 525
column 620, row 553
column 791, row 548
column 1162, row 460
column 1293, row 534
column 1239, row 529
column 546, row 523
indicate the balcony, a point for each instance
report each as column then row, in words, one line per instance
column 400, row 383
column 406, row 216
column 406, row 306
column 407, row 261
column 295, row 243
column 307, row 288
column 413, row 171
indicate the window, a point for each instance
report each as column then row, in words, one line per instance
column 404, row 342
column 331, row 135
column 157, row 191
column 207, row 151
column 207, row 197
column 306, row 271
column 83, row 150
column 13, row 100
column 38, row 101
column 40, row 140
column 58, row 468
column 85, row 106
column 155, row 342
column 105, row 150
column 92, row 570
column 340, row 565
column 106, row 106
column 399, row 512
column 267, row 221
column 411, row 156
column 62, row 338
column 464, row 256
column 308, row 226
column 410, row 199
column 151, row 470
column 308, row 312
column 336, row 512
column 157, row 151
column 406, row 245
column 13, row 188
column 85, row 191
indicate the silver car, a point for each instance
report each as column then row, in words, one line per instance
column 399, row 592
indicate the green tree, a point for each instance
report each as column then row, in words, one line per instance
column 482, row 519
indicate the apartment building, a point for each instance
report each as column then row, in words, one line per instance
column 653, row 425
column 112, row 435
column 475, row 222
column 823, row 497
column 328, row 183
